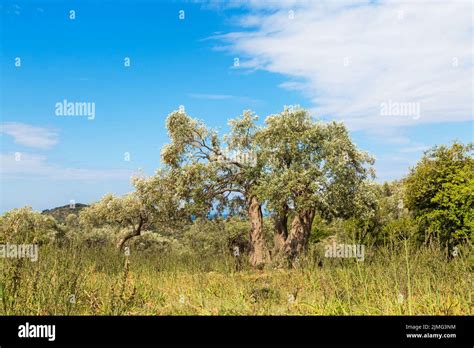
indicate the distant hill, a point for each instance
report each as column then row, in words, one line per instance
column 60, row 213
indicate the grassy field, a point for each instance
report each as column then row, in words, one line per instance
column 84, row 281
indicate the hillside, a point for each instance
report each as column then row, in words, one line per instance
column 60, row 213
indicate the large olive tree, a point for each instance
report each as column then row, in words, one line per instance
column 294, row 167
column 229, row 167
column 309, row 168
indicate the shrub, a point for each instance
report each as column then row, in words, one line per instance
column 27, row 226
column 153, row 242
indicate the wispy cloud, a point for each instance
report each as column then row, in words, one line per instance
column 30, row 136
column 350, row 57
column 16, row 165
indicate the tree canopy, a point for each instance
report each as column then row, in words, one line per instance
column 440, row 192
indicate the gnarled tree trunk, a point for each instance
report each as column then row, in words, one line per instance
column 281, row 231
column 297, row 241
column 259, row 254
column 136, row 232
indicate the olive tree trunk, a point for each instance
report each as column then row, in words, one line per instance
column 135, row 232
column 259, row 254
column 281, row 231
column 297, row 241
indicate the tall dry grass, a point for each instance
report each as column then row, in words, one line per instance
column 76, row 280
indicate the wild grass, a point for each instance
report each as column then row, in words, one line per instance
column 79, row 280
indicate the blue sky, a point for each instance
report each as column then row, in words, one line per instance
column 341, row 60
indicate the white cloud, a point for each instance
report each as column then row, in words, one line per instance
column 30, row 136
column 350, row 57
column 15, row 165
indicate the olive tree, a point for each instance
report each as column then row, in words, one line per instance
column 154, row 202
column 309, row 168
column 229, row 166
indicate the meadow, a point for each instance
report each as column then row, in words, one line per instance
column 79, row 280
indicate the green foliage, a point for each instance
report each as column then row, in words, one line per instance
column 388, row 211
column 312, row 166
column 72, row 221
column 214, row 167
column 96, row 237
column 25, row 226
column 210, row 237
column 155, row 203
column 403, row 228
column 154, row 243
column 440, row 192
column 113, row 210
column 206, row 237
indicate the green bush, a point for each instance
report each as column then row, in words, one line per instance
column 25, row 226
column 153, row 242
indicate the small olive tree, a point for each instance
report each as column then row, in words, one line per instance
column 153, row 203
